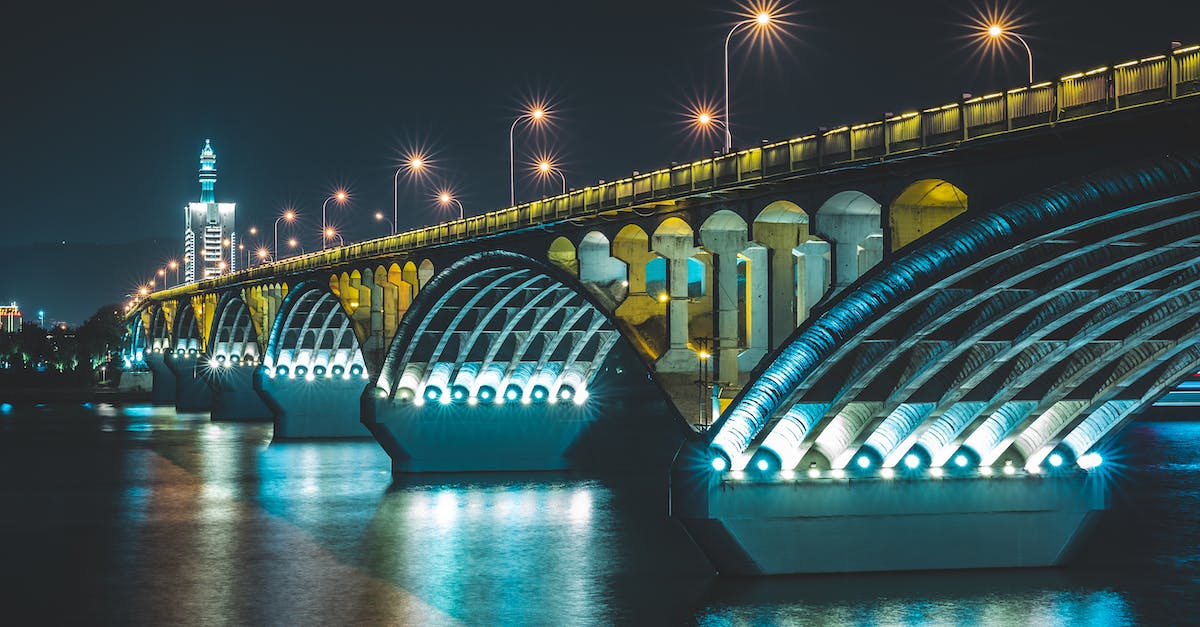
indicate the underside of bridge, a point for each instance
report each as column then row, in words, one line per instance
column 965, row 390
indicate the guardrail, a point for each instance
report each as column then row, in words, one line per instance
column 1154, row 79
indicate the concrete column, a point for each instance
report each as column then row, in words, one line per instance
column 780, row 238
column 677, row 250
column 847, row 232
column 871, row 254
column 725, row 246
column 756, row 302
column 815, row 254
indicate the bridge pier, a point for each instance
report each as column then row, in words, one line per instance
column 677, row 249
column 814, row 254
column 233, row 395
column 316, row 407
column 191, row 392
column 486, row 437
column 162, row 387
column 773, row 526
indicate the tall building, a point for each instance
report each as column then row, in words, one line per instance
column 209, row 238
column 10, row 318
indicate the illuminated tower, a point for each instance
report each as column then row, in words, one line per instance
column 209, row 239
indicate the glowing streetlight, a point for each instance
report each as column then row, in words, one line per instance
column 293, row 243
column 546, row 168
column 340, row 196
column 254, row 230
column 263, row 254
column 174, row 266
column 761, row 20
column 379, row 218
column 414, row 163
column 535, row 114
column 997, row 31
column 445, row 198
column 331, row 233
column 288, row 216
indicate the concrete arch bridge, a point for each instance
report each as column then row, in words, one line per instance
column 881, row 322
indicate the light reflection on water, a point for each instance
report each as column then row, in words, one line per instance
column 210, row 523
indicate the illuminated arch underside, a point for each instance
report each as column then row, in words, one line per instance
column 1044, row 324
column 233, row 331
column 486, row 322
column 187, row 332
column 313, row 330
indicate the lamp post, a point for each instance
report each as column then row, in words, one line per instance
column 996, row 31
column 340, row 196
column 287, row 216
column 445, row 198
column 534, row 115
column 263, row 255
column 545, row 168
column 761, row 20
column 293, row 243
column 415, row 164
column 174, row 265
column 331, row 233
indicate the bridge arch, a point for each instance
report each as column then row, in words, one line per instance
column 186, row 331
column 1044, row 324
column 233, row 336
column 498, row 327
column 313, row 336
column 562, row 253
column 923, row 206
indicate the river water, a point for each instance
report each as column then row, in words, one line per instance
column 137, row 515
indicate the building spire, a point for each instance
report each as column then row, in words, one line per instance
column 208, row 173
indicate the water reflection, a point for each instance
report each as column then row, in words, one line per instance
column 189, row 521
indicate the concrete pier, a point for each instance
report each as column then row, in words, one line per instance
column 162, row 390
column 778, row 527
column 320, row 408
column 192, row 394
column 233, row 395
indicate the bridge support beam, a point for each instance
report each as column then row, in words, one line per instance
column 321, row 408
column 677, row 249
column 233, row 395
column 725, row 245
column 162, row 389
column 758, row 331
column 192, row 394
column 814, row 254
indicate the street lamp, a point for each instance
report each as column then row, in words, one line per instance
column 996, row 32
column 331, row 233
column 379, row 218
column 415, row 163
column 288, row 216
column 293, row 243
column 174, row 265
column 263, row 254
column 546, row 168
column 245, row 255
column 340, row 196
column 763, row 19
column 535, row 114
column 446, row 198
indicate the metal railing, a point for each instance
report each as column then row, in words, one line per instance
column 1156, row 79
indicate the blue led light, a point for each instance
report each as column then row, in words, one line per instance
column 512, row 393
column 719, row 464
column 282, row 371
column 539, row 393
column 433, row 393
column 459, row 394
column 486, row 393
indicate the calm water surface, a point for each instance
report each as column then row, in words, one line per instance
column 136, row 515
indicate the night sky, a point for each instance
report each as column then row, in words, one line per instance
column 105, row 107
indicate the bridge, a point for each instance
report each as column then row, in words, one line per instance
column 891, row 345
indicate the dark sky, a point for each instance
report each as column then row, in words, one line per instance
column 105, row 107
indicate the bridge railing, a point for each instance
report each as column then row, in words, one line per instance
column 1150, row 80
